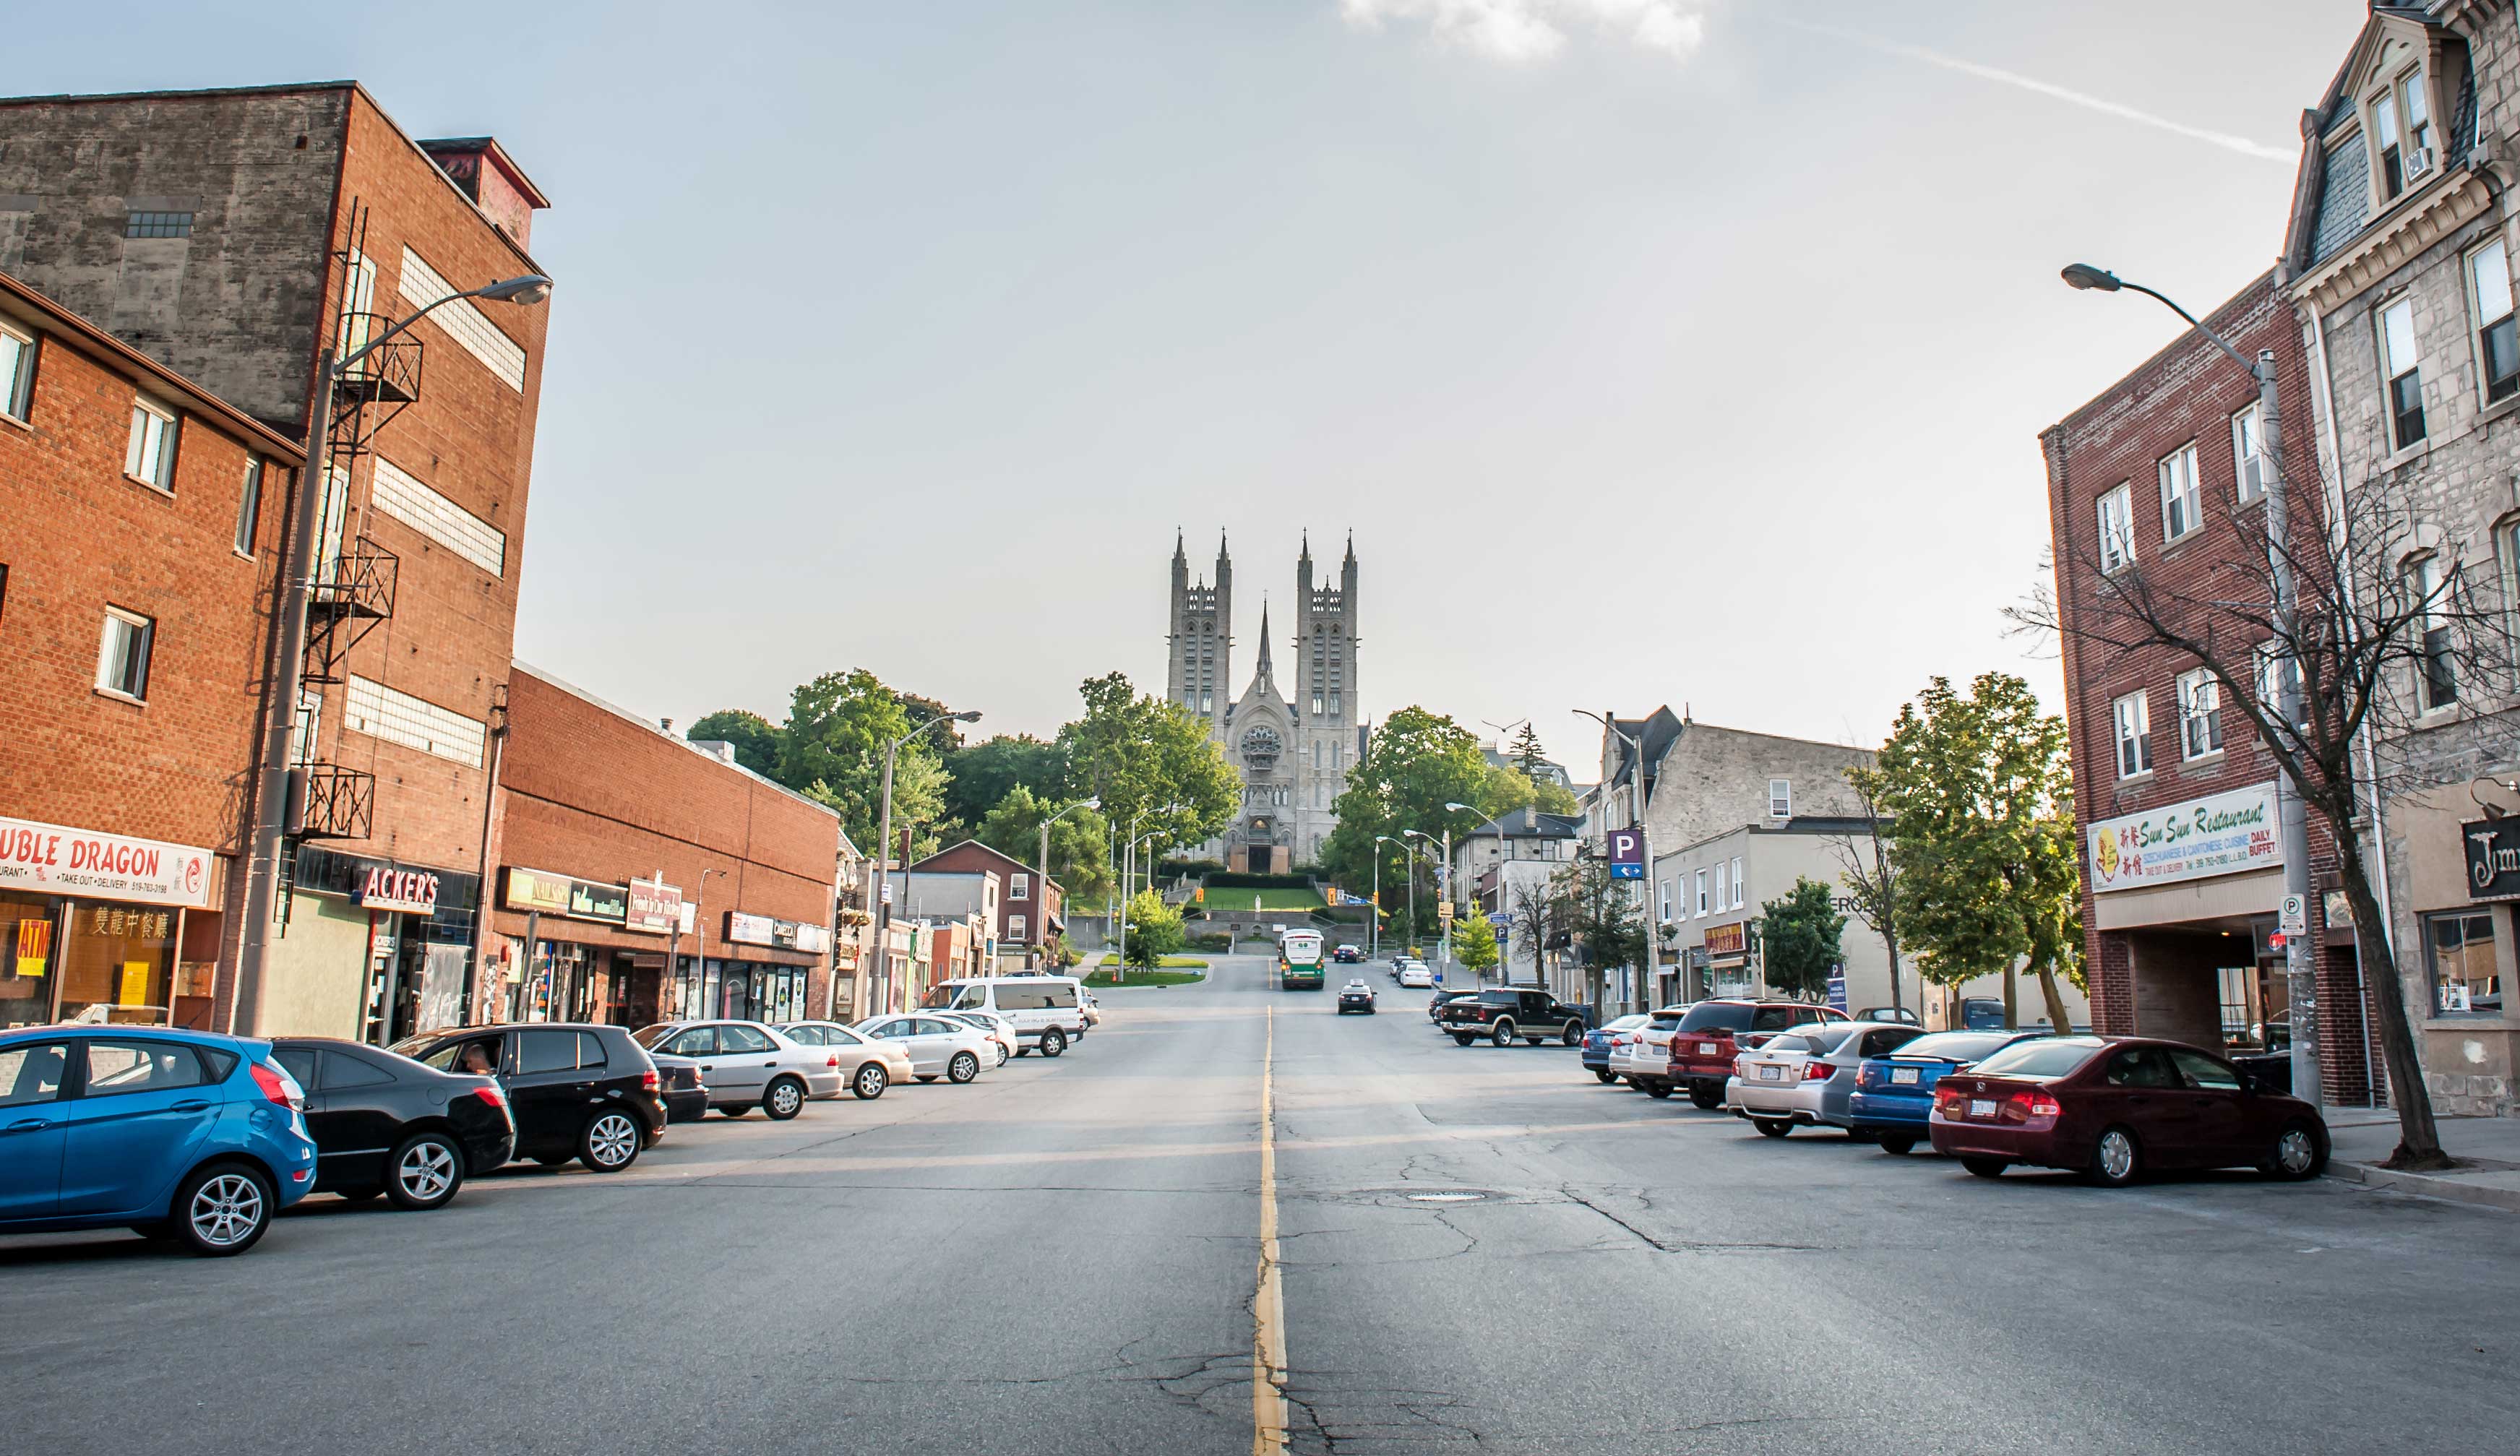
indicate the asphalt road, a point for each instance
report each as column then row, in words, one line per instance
column 1480, row 1248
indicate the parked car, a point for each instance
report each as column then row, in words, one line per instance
column 1838, row 1088
column 686, row 1095
column 187, row 1136
column 2114, row 1108
column 1048, row 1010
column 576, row 1089
column 384, row 1123
column 1355, row 995
column 937, row 1047
column 1894, row 1094
column 747, row 1063
column 1088, row 1009
column 1981, row 1014
column 1714, row 1032
column 868, row 1066
column 1597, row 1044
column 1417, row 975
column 1400, row 964
column 1000, row 1031
column 1503, row 1016
column 1441, row 1000
column 1804, row 1077
column 1900, row 1014
column 1641, row 1058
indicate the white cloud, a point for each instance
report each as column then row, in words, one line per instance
column 1520, row 31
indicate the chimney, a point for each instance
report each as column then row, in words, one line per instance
column 716, row 748
column 484, row 171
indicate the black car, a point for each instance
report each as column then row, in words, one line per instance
column 1503, row 1016
column 1355, row 995
column 686, row 1095
column 1442, row 999
column 386, row 1123
column 1347, row 956
column 576, row 1089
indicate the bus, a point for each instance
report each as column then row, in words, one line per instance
column 1299, row 960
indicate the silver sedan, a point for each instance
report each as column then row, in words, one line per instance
column 951, row 1049
column 999, row 1030
column 867, row 1067
column 747, row 1065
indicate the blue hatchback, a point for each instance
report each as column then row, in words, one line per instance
column 1596, row 1044
column 1894, row 1095
column 187, row 1136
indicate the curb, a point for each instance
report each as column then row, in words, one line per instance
column 2430, row 1185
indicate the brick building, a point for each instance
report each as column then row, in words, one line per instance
column 651, row 878
column 232, row 235
column 1029, row 908
column 134, row 624
column 2161, row 479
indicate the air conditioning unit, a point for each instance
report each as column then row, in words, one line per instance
column 2255, row 477
column 2419, row 161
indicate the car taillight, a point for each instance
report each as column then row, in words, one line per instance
column 2038, row 1105
column 488, row 1092
column 278, row 1086
column 648, row 1080
column 1947, row 1101
column 1816, row 1071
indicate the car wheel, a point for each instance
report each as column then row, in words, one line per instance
column 1573, row 1036
column 1657, row 1090
column 1706, row 1099
column 1607, row 1076
column 1898, row 1147
column 1053, row 1042
column 1772, row 1126
column 2299, row 1153
column 425, row 1172
column 222, row 1210
column 1503, row 1035
column 736, row 1109
column 610, row 1143
column 963, row 1068
column 783, row 1099
column 870, row 1080
column 1001, row 1056
column 1985, row 1168
column 1462, row 1038
column 2116, row 1160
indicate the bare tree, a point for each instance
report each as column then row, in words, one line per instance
column 2387, row 625
column 1871, row 880
column 1539, row 910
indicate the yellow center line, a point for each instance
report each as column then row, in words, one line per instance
column 1269, row 1307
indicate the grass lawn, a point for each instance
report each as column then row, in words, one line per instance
column 1113, row 977
column 1169, row 962
column 1270, row 900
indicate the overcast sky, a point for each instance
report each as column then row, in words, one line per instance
column 1654, row 351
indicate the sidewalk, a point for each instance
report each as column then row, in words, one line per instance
column 2488, row 1148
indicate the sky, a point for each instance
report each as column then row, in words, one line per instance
column 1655, row 351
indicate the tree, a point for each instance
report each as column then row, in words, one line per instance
column 1155, row 930
column 1527, row 756
column 833, row 749
column 1540, row 914
column 1417, row 763
column 1800, row 932
column 1871, row 882
column 985, row 772
column 1139, row 753
column 1080, row 848
column 1981, row 833
column 757, row 740
column 1600, row 913
column 1474, row 942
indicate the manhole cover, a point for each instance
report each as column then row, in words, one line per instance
column 1446, row 1197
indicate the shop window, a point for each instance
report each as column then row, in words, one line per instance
column 26, row 940
column 2465, row 982
column 2133, row 717
column 149, row 457
column 2498, row 334
column 118, row 964
column 17, row 371
column 2181, row 501
column 2200, row 715
column 122, row 654
column 2117, row 527
column 2400, row 367
column 2436, row 675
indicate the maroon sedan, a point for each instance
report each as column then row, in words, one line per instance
column 2113, row 1108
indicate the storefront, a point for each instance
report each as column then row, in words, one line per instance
column 403, row 933
column 773, row 983
column 96, row 924
column 592, row 950
column 2471, row 1042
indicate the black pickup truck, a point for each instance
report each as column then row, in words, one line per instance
column 1503, row 1016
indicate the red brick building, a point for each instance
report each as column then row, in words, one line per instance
column 134, row 618
column 1030, row 908
column 2155, row 474
column 233, row 235
column 652, row 878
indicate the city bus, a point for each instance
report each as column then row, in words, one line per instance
column 1299, row 960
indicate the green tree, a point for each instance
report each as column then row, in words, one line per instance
column 1800, row 932
column 1416, row 764
column 833, row 749
column 1139, row 753
column 985, row 772
column 758, row 743
column 1600, row 913
column 1080, row 851
column 1978, row 797
column 1154, row 930
column 1474, row 942
column 1527, row 756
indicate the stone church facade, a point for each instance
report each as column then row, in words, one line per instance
column 1292, row 750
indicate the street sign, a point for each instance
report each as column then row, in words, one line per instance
column 1628, row 854
column 2293, row 916
column 1443, row 909
column 1837, row 988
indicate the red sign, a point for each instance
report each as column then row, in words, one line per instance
column 655, row 907
column 412, row 891
column 1725, row 939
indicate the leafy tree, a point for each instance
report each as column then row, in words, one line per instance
column 1800, row 931
column 1416, row 764
column 1602, row 912
column 833, row 749
column 1155, row 930
column 757, row 740
column 1474, row 942
column 1138, row 753
column 985, row 772
column 1979, row 797
column 1080, row 850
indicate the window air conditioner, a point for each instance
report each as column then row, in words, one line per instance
column 2419, row 161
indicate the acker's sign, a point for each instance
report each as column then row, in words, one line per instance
column 412, row 891
column 56, row 860
column 1727, row 940
column 2224, row 834
column 2492, row 859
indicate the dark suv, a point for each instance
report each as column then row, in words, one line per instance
column 576, row 1089
column 1501, row 1016
column 1714, row 1032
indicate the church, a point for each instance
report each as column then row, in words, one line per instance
column 1292, row 751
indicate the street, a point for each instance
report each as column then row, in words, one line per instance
column 1482, row 1249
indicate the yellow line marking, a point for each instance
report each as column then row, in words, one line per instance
column 1269, row 1307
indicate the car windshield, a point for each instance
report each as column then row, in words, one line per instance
column 1954, row 1046
column 1627, row 1023
column 1823, row 1039
column 941, row 996
column 648, row 1036
column 2042, row 1060
column 1718, row 1016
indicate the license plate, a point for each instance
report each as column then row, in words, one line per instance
column 1706, row 1049
column 1981, row 1107
column 1903, row 1076
column 1772, row 1074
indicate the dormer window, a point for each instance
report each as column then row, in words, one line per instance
column 2404, row 140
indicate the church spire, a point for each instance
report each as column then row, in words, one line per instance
column 1307, row 553
column 1264, row 639
column 1178, row 554
column 1351, row 546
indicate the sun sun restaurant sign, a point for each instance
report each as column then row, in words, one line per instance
column 2225, row 834
column 56, row 860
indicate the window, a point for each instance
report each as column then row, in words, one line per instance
column 299, row 1063
column 1316, row 705
column 1666, row 900
column 2400, row 367
column 2200, row 715
column 699, row 1042
column 2435, row 676
column 2249, row 467
column 1335, row 708
column 371, row 708
column 2414, row 147
column 1207, row 702
column 33, row 1073
column 2117, row 527
column 1019, row 887
column 1014, row 927
column 2275, row 673
column 343, row 1068
column 1701, row 894
column 1723, row 885
column 1780, row 798
column 2460, row 945
column 590, row 1049
column 249, row 505
column 151, row 454
column 2497, row 338
column 733, row 1039
column 546, row 1051
column 123, row 658
column 157, row 225
column 404, row 496
column 1738, row 887
column 17, row 370
column 115, row 1068
column 421, row 286
column 2134, row 720
column 2180, row 501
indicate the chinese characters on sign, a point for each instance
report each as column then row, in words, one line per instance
column 2225, row 834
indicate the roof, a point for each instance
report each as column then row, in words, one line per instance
column 990, row 850
column 2332, row 202
column 1529, row 823
column 2256, row 292
column 519, row 664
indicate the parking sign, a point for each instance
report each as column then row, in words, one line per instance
column 1628, row 854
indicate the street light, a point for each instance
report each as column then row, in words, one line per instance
column 1644, row 853
column 1374, row 950
column 2300, row 981
column 1042, row 911
column 280, row 717
column 1444, row 885
column 884, row 848
column 1414, row 853
column 1128, row 880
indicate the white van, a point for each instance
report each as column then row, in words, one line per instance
column 1047, row 1010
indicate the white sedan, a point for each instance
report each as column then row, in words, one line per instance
column 999, row 1030
column 868, row 1066
column 1417, row 975
column 951, row 1049
column 1642, row 1057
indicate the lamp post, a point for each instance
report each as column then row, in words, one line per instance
column 1638, row 994
column 1376, row 904
column 1128, row 878
column 2301, row 985
column 271, row 802
column 884, row 847
column 1040, row 910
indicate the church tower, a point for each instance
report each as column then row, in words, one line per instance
column 1326, row 697
column 1200, row 672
